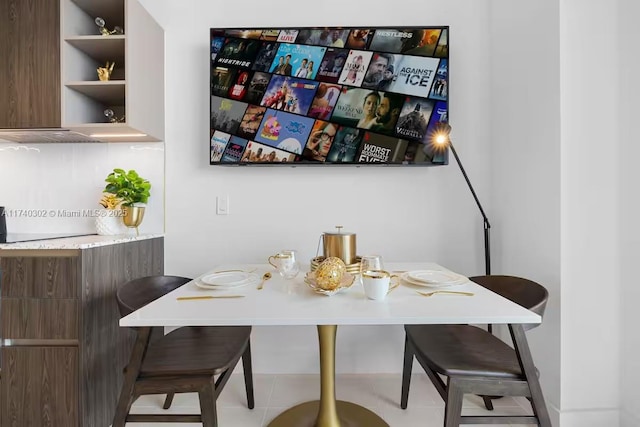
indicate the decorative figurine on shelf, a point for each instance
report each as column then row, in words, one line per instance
column 104, row 31
column 104, row 73
column 109, row 114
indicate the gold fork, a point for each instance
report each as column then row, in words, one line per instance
column 428, row 294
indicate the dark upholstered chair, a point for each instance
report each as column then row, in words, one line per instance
column 475, row 361
column 185, row 360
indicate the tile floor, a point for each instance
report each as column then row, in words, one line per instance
column 275, row 393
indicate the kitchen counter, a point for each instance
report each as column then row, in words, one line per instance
column 79, row 242
column 62, row 351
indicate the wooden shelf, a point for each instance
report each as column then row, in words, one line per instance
column 108, row 93
column 136, row 88
column 69, row 48
column 100, row 48
column 112, row 132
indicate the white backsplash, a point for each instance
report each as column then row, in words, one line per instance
column 51, row 182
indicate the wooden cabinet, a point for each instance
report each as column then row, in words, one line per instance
column 41, row 386
column 136, row 88
column 30, row 65
column 48, row 79
column 62, row 350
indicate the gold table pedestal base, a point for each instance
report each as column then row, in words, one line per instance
column 328, row 412
column 349, row 414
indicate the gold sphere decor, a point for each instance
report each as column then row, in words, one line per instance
column 351, row 268
column 329, row 273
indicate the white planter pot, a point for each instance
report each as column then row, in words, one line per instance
column 109, row 223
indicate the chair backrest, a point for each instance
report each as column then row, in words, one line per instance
column 524, row 292
column 137, row 293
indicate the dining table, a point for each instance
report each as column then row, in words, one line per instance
column 291, row 302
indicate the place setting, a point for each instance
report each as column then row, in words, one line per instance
column 435, row 282
column 221, row 281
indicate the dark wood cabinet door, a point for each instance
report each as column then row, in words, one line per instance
column 30, row 66
column 39, row 277
column 39, row 387
column 39, row 319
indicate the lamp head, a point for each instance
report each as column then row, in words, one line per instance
column 441, row 135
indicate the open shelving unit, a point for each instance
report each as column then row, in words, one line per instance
column 136, row 87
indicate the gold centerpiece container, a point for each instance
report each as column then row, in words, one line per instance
column 339, row 244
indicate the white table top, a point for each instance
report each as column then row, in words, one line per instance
column 292, row 302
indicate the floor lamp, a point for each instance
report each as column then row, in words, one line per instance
column 442, row 139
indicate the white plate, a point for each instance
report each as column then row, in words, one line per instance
column 227, row 279
column 433, row 278
column 203, row 285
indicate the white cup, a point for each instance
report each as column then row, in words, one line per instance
column 376, row 283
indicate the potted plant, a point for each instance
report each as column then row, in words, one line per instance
column 133, row 191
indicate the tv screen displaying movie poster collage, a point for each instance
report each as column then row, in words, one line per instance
column 328, row 95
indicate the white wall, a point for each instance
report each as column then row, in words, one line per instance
column 70, row 177
column 564, row 188
column 590, row 212
column 525, row 173
column 420, row 214
column 629, row 177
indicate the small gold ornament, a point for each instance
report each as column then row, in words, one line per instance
column 104, row 30
column 110, row 201
column 109, row 114
column 104, row 73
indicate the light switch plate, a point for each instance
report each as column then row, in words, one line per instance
column 222, row 207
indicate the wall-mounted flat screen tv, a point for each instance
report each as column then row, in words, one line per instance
column 328, row 95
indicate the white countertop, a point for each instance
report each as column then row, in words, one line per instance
column 292, row 302
column 79, row 242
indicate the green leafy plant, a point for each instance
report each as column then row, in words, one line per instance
column 130, row 187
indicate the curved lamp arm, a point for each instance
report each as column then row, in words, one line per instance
column 443, row 135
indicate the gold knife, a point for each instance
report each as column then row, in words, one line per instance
column 209, row 297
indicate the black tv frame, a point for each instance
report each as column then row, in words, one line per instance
column 429, row 154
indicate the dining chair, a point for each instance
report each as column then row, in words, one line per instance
column 475, row 361
column 185, row 360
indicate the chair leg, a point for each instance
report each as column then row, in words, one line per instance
column 488, row 403
column 406, row 373
column 127, row 397
column 207, row 397
column 248, row 375
column 122, row 409
column 168, row 401
column 526, row 364
column 453, row 406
